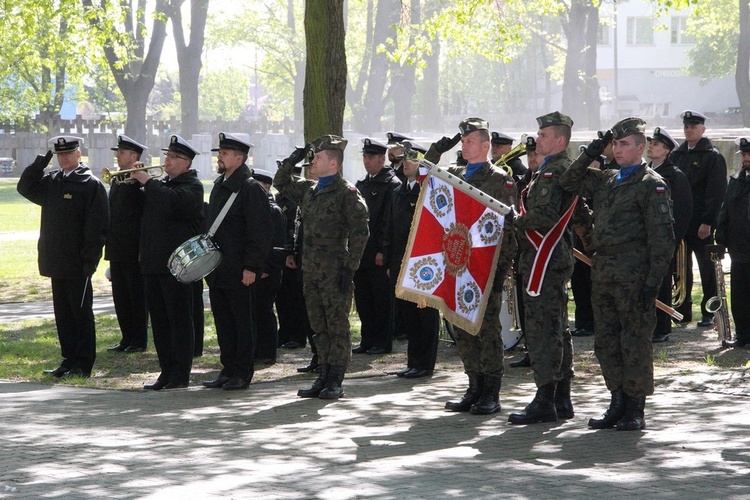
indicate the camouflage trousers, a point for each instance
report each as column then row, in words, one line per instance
column 622, row 341
column 483, row 353
column 546, row 328
column 328, row 310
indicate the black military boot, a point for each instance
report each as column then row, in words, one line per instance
column 489, row 398
column 541, row 408
column 476, row 381
column 333, row 389
column 614, row 413
column 318, row 385
column 524, row 362
column 634, row 419
column 563, row 405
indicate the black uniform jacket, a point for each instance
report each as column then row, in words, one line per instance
column 707, row 172
column 277, row 256
column 245, row 235
column 377, row 195
column 733, row 229
column 75, row 218
column 172, row 215
column 682, row 198
column 398, row 225
column 126, row 203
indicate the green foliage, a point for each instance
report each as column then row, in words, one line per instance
column 715, row 27
column 224, row 94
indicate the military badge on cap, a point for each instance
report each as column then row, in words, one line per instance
column 501, row 139
column 179, row 145
column 373, row 147
column 394, row 138
column 329, row 142
column 663, row 136
column 530, row 141
column 555, row 118
column 470, row 125
column 65, row 143
column 628, row 126
column 691, row 117
column 231, row 141
column 125, row 142
column 743, row 144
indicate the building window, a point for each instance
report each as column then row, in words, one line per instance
column 679, row 36
column 640, row 31
column 603, row 37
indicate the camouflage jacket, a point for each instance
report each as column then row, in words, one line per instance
column 632, row 237
column 335, row 220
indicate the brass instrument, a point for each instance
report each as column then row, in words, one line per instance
column 510, row 289
column 516, row 152
column 123, row 176
column 679, row 277
column 718, row 305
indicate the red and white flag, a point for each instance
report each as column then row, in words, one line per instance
column 453, row 249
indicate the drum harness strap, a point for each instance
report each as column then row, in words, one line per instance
column 222, row 214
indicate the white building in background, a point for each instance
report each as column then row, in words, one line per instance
column 641, row 69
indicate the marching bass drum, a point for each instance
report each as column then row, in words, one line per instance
column 194, row 259
column 511, row 332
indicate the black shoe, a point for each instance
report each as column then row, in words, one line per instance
column 134, row 348
column 237, row 383
column 333, row 389
column 57, row 372
column 476, row 381
column 613, row 414
column 489, row 399
column 77, row 372
column 524, row 362
column 706, row 321
column 582, row 332
column 156, row 386
column 312, row 366
column 633, row 419
column 218, row 383
column 377, row 350
column 117, row 348
column 403, row 372
column 197, row 354
column 417, row 373
column 177, row 385
column 292, row 345
column 659, row 337
column 318, row 385
column 541, row 408
column 360, row 349
column 735, row 343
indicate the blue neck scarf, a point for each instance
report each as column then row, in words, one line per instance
column 473, row 168
column 324, row 181
column 625, row 172
column 546, row 160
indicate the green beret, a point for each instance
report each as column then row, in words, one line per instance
column 628, row 126
column 555, row 118
column 325, row 142
column 470, row 125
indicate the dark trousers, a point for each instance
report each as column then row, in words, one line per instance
column 422, row 326
column 199, row 320
column 740, row 280
column 235, row 329
column 372, row 294
column 664, row 320
column 73, row 301
column 290, row 307
column 170, row 306
column 580, row 283
column 268, row 333
column 697, row 246
column 129, row 296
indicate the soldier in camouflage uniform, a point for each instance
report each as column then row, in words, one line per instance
column 546, row 206
column 633, row 243
column 482, row 354
column 335, row 218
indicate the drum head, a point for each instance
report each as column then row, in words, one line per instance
column 194, row 259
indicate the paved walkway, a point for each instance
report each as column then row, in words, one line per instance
column 389, row 438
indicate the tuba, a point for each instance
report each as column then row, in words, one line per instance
column 679, row 276
column 718, row 305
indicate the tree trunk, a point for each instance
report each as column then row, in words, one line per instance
column 590, row 81
column 189, row 60
column 742, row 73
column 572, row 91
column 299, row 69
column 431, row 118
column 403, row 86
column 325, row 73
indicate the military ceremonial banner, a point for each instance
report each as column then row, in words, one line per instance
column 452, row 251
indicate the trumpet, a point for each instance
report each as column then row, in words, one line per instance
column 516, row 152
column 123, row 176
column 679, row 278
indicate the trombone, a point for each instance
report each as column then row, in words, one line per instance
column 123, row 176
